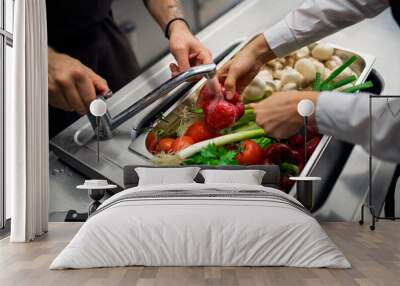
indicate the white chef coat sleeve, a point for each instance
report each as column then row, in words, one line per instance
column 346, row 117
column 316, row 19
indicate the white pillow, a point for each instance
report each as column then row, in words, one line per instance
column 247, row 177
column 166, row 176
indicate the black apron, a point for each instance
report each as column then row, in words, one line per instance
column 85, row 30
column 395, row 4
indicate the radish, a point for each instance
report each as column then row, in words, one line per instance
column 220, row 113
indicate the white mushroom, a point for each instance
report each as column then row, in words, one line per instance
column 290, row 61
column 270, row 87
column 265, row 75
column 333, row 62
column 289, row 86
column 322, row 52
column 272, row 63
column 312, row 46
column 307, row 68
column 326, row 73
column 292, row 75
column 302, row 53
column 282, row 61
column 278, row 85
column 255, row 90
column 278, row 65
column 318, row 65
column 278, row 74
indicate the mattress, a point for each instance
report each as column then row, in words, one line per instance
column 201, row 225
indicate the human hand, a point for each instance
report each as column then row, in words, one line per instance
column 72, row 85
column 186, row 48
column 278, row 114
column 242, row 69
column 188, row 52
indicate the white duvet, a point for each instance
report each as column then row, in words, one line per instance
column 269, row 228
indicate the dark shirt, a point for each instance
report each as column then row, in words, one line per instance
column 395, row 4
column 85, row 30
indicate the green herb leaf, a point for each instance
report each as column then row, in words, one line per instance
column 263, row 141
column 211, row 155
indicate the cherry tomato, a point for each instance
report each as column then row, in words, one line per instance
column 151, row 142
column 251, row 154
column 199, row 132
column 166, row 145
column 182, row 143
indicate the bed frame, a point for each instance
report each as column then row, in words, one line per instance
column 271, row 177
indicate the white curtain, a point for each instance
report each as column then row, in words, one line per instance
column 27, row 124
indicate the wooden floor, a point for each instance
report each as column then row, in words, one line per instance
column 375, row 257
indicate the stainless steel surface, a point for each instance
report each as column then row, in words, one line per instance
column 110, row 123
column 252, row 16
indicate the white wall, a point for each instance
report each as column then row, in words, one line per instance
column 9, row 61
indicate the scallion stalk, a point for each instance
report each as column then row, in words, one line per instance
column 220, row 141
column 317, row 83
column 342, row 82
column 359, row 87
column 339, row 70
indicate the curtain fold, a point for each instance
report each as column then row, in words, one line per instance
column 27, row 124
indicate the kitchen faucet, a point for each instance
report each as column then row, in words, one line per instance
column 109, row 123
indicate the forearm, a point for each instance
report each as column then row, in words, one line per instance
column 346, row 117
column 164, row 11
column 316, row 19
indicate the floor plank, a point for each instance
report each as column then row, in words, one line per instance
column 375, row 257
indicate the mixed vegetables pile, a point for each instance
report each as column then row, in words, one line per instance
column 217, row 131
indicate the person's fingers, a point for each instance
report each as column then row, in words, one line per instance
column 86, row 89
column 72, row 96
column 253, row 106
column 174, row 69
column 214, row 86
column 230, row 82
column 181, row 55
column 56, row 96
column 100, row 84
column 204, row 57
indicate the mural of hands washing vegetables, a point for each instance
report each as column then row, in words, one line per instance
column 214, row 130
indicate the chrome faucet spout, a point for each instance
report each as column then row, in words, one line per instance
column 110, row 123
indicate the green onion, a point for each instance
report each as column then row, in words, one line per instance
column 196, row 110
column 342, row 82
column 219, row 141
column 317, row 83
column 339, row 70
column 358, row 87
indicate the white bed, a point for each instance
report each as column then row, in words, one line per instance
column 201, row 224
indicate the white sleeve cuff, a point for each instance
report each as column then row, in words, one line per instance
column 280, row 39
column 337, row 114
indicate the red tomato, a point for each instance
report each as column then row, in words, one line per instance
column 151, row 142
column 166, row 145
column 182, row 143
column 199, row 132
column 251, row 154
